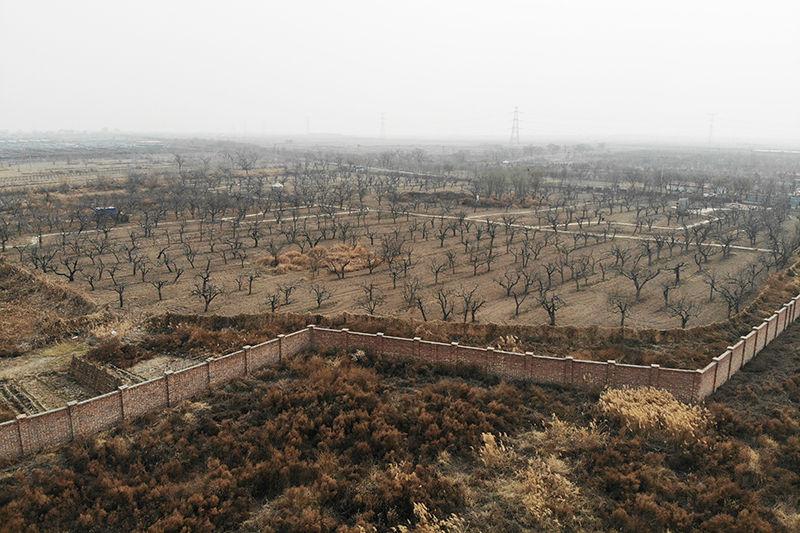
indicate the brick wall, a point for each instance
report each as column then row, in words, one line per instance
column 44, row 430
column 264, row 354
column 189, row 382
column 10, row 443
column 226, row 368
column 144, row 397
column 92, row 376
column 96, row 414
column 26, row 435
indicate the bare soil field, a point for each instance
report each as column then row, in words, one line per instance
column 430, row 272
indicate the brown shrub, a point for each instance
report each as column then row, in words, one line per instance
column 117, row 353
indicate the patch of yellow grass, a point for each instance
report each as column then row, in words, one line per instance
column 654, row 413
column 532, row 483
column 427, row 523
column 356, row 258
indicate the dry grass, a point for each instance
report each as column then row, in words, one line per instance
column 654, row 413
column 427, row 523
column 494, row 454
column 355, row 257
column 37, row 311
column 120, row 324
column 561, row 438
column 530, row 482
column 788, row 516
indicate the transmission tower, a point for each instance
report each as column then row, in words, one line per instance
column 515, row 127
column 383, row 125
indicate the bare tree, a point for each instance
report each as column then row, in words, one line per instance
column 159, row 286
column 372, row 297
column 251, row 277
column 445, row 300
column 321, row 293
column 71, row 265
column 337, row 264
column 551, row 303
column 666, row 287
column 247, row 159
column 436, row 268
column 472, row 301
column 620, row 304
column 119, row 288
column 274, row 301
column 509, row 280
column 519, row 298
column 207, row 291
column 735, row 288
column 287, row 289
column 685, row 309
column 640, row 276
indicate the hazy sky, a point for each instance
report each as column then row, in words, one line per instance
column 434, row 68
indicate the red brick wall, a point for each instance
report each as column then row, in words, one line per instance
column 707, row 383
column 263, row 354
column 323, row 338
column 9, row 440
column 761, row 332
column 96, row 414
column 546, row 370
column 225, row 368
column 432, row 351
column 516, row 364
column 772, row 328
column 189, row 382
column 589, row 372
column 296, row 342
column 749, row 345
column 680, row 383
column 144, row 397
column 399, row 347
column 723, row 368
column 737, row 356
column 92, row 376
column 631, row 376
column 45, row 429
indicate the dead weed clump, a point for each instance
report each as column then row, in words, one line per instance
column 654, row 412
column 532, row 485
column 340, row 257
column 427, row 523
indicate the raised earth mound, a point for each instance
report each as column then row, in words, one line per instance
column 37, row 312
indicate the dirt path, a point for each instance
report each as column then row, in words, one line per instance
column 53, row 359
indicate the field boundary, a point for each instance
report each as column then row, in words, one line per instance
column 27, row 435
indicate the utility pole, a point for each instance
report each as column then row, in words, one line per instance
column 515, row 127
column 383, row 126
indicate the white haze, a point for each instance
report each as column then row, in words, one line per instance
column 449, row 68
